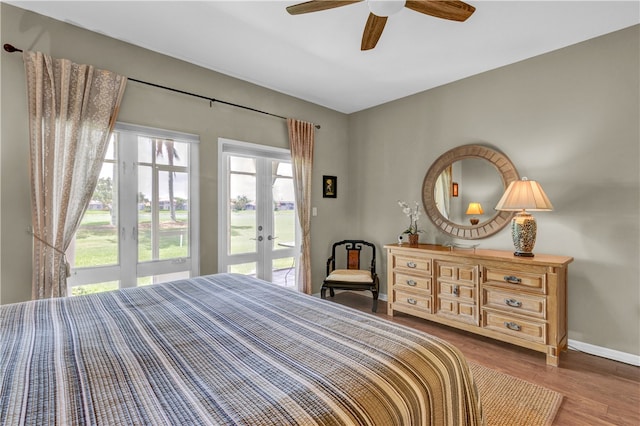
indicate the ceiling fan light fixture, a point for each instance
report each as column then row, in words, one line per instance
column 385, row 8
column 381, row 10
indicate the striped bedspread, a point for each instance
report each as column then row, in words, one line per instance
column 221, row 350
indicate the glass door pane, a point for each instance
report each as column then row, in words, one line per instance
column 244, row 268
column 242, row 235
column 284, row 216
column 284, row 219
column 96, row 240
column 146, row 202
column 163, row 200
column 173, row 218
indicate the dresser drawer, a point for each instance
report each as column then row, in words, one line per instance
column 464, row 274
column 458, row 291
column 412, row 300
column 523, row 304
column 411, row 264
column 512, row 325
column 534, row 280
column 458, row 310
column 415, row 282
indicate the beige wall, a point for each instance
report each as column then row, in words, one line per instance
column 149, row 106
column 568, row 119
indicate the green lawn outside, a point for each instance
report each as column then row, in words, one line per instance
column 94, row 288
column 243, row 229
column 96, row 240
column 97, row 243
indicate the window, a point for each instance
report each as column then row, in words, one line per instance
column 141, row 226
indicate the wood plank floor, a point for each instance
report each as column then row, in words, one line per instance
column 596, row 391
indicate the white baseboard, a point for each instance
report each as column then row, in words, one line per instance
column 600, row 351
column 587, row 348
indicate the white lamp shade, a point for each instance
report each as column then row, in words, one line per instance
column 524, row 195
column 384, row 8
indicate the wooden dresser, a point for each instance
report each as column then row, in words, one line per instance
column 520, row 300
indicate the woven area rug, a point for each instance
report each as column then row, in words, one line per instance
column 509, row 401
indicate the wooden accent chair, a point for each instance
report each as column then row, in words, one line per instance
column 352, row 278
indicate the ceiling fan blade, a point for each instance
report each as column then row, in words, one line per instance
column 372, row 31
column 318, row 5
column 453, row 10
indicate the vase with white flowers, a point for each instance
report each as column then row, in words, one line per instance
column 413, row 214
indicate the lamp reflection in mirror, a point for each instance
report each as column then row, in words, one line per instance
column 474, row 208
column 520, row 196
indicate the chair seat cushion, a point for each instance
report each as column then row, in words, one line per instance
column 350, row 275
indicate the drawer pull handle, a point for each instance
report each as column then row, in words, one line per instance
column 456, row 290
column 412, row 283
column 512, row 326
column 412, row 301
column 513, row 303
column 513, row 280
column 411, row 264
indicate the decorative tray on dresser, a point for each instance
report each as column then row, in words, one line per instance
column 520, row 300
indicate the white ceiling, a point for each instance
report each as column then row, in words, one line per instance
column 317, row 56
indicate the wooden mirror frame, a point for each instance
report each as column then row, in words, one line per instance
column 505, row 168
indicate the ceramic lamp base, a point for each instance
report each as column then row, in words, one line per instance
column 523, row 254
column 523, row 232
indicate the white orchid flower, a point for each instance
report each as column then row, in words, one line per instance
column 413, row 216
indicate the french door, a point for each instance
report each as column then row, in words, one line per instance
column 141, row 226
column 258, row 225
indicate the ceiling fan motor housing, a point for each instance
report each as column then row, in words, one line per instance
column 384, row 8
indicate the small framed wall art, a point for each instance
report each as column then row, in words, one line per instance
column 329, row 186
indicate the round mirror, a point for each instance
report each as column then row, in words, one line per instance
column 462, row 188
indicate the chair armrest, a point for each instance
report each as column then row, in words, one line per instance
column 330, row 265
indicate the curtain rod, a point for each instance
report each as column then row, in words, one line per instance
column 10, row 48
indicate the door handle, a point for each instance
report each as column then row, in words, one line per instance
column 270, row 238
column 260, row 238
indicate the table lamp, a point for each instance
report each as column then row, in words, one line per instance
column 474, row 208
column 522, row 195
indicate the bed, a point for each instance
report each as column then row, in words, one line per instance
column 220, row 350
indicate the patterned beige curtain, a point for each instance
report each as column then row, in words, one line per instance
column 442, row 194
column 72, row 110
column 301, row 137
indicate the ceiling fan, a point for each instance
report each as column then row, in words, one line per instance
column 380, row 10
